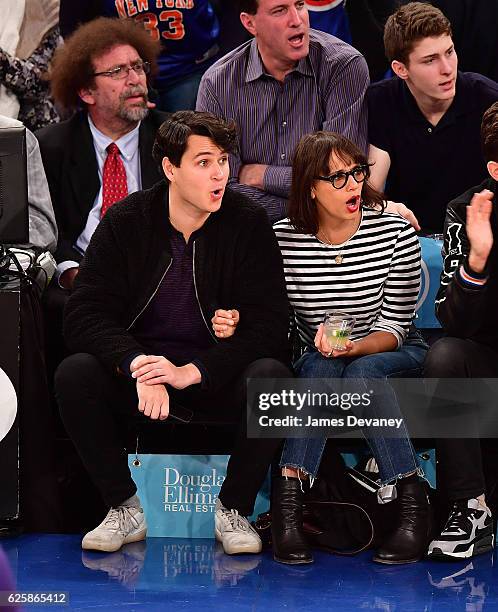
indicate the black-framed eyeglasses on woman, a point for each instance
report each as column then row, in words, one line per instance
column 121, row 72
column 340, row 179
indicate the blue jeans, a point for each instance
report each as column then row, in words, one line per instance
column 395, row 456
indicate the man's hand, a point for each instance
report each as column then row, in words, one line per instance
column 153, row 401
column 66, row 279
column 479, row 230
column 323, row 346
column 225, row 322
column 252, row 175
column 397, row 208
column 157, row 370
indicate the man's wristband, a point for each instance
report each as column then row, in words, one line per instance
column 471, row 278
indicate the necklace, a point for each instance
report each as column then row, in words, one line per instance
column 338, row 259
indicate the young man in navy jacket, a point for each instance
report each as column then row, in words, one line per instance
column 159, row 265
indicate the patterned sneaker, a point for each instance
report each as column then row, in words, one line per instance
column 235, row 532
column 121, row 525
column 440, row 577
column 468, row 532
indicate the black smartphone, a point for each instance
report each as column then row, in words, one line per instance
column 180, row 413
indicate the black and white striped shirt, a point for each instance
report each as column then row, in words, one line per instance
column 377, row 282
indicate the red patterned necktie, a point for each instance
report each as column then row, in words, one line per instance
column 114, row 184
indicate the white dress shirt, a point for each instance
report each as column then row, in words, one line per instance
column 129, row 152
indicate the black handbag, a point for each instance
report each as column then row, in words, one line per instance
column 341, row 512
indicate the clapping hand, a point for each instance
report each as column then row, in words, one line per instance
column 479, row 230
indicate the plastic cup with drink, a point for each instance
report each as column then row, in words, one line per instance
column 337, row 327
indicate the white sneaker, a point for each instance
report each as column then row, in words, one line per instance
column 124, row 565
column 235, row 532
column 121, row 525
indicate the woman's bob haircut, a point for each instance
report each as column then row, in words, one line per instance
column 312, row 159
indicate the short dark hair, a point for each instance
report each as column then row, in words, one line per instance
column 172, row 136
column 248, row 6
column 408, row 25
column 489, row 133
column 72, row 67
column 311, row 159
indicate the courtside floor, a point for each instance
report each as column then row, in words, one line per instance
column 187, row 574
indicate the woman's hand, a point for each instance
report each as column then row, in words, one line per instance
column 323, row 346
column 225, row 322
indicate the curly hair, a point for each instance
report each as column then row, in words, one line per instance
column 72, row 67
column 311, row 159
column 409, row 24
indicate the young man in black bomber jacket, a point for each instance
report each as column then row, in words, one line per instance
column 467, row 306
column 159, row 265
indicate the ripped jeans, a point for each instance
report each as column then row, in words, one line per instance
column 395, row 457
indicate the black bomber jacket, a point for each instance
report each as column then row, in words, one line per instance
column 467, row 311
column 237, row 264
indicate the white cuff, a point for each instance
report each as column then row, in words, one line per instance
column 62, row 267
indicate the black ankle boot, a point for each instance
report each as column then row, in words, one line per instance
column 288, row 539
column 409, row 541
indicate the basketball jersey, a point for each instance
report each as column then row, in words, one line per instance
column 188, row 31
column 329, row 16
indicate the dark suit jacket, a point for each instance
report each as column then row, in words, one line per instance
column 71, row 167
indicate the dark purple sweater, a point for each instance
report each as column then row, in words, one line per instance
column 172, row 324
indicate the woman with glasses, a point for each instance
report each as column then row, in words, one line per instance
column 341, row 252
